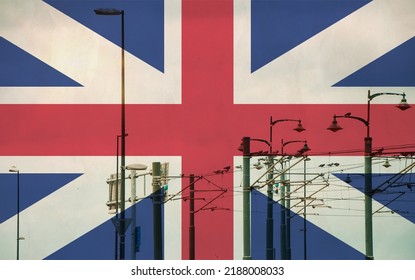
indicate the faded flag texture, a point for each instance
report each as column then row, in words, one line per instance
column 199, row 76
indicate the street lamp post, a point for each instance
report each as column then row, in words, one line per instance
column 246, row 185
column 15, row 170
column 298, row 128
column 115, row 12
column 287, row 193
column 305, row 208
column 245, row 148
column 403, row 105
column 270, row 254
column 270, row 225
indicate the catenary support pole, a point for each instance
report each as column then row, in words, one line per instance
column 157, row 207
column 192, row 218
column 368, row 199
column 283, row 228
column 270, row 206
column 246, row 199
column 288, row 219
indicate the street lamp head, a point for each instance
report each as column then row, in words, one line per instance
column 403, row 105
column 386, row 164
column 299, row 127
column 241, row 147
column 258, row 165
column 13, row 169
column 334, row 126
column 108, row 12
column 305, row 148
column 136, row 166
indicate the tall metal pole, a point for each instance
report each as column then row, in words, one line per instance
column 122, row 225
column 403, row 105
column 368, row 199
column 192, row 219
column 270, row 218
column 122, row 221
column 133, row 214
column 288, row 219
column 18, row 217
column 368, row 187
column 116, row 200
column 15, row 170
column 283, row 229
column 157, row 201
column 246, row 199
column 270, row 202
column 305, row 209
column 368, row 191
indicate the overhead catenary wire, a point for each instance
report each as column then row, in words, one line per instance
column 332, row 181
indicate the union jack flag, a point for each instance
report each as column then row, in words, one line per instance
column 200, row 75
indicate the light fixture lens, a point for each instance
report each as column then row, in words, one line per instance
column 258, row 166
column 403, row 105
column 387, row 164
column 299, row 127
column 305, row 148
column 334, row 126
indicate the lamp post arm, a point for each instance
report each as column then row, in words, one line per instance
column 289, row 142
column 261, row 140
column 362, row 120
column 272, row 123
column 372, row 96
column 293, row 141
column 402, row 106
column 299, row 128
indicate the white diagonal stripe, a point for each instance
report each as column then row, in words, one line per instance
column 80, row 206
column 88, row 58
column 305, row 74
